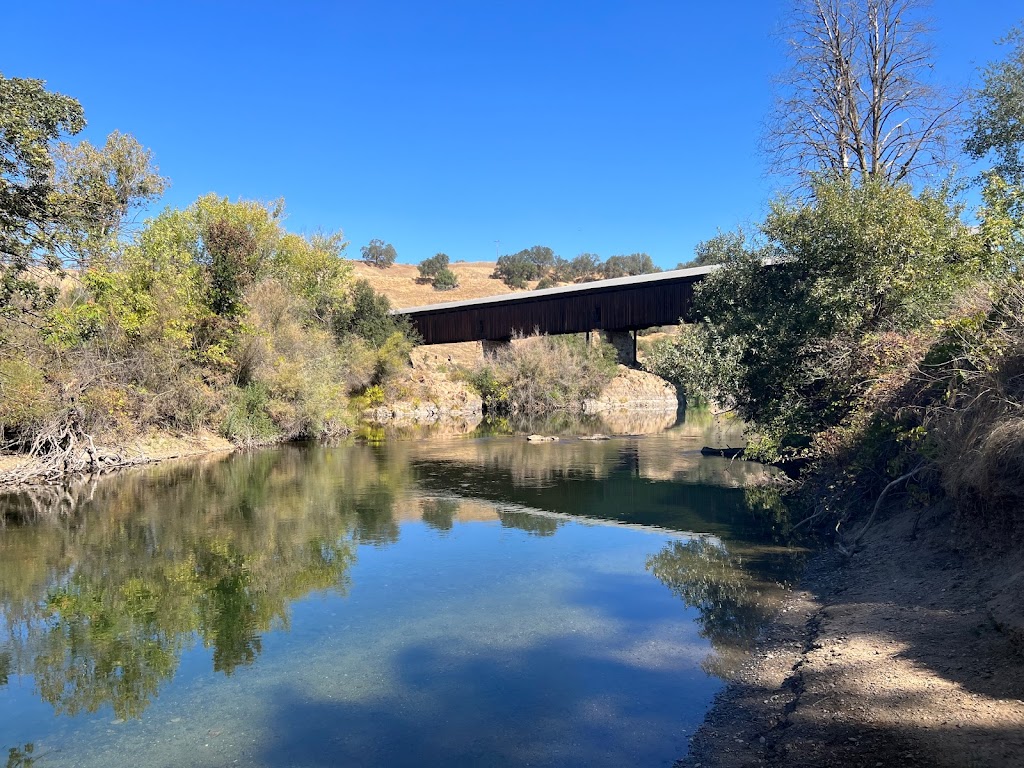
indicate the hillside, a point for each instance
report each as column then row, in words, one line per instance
column 398, row 283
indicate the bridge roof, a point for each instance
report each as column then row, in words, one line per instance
column 596, row 286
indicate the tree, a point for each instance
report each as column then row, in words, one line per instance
column 30, row 119
column 445, row 280
column 723, row 248
column 517, row 269
column 379, row 254
column 585, row 267
column 430, row 267
column 857, row 102
column 97, row 188
column 627, row 266
column 853, row 262
column 998, row 121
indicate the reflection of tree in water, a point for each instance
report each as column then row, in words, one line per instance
column 22, row 757
column 99, row 605
column 538, row 525
column 732, row 606
column 440, row 514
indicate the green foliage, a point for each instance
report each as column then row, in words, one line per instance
column 445, row 280
column 628, row 266
column 96, row 189
column 25, row 399
column 247, row 421
column 527, row 265
column 429, row 268
column 435, row 271
column 369, row 315
column 997, row 126
column 379, row 254
column 314, row 269
column 31, row 118
column 516, row 270
column 701, row 363
column 723, row 248
column 547, row 282
column 853, row 261
column 584, row 267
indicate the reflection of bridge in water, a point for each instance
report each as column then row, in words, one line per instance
column 618, row 308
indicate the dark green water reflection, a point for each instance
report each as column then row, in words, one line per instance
column 461, row 601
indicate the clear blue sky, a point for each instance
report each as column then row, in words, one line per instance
column 608, row 127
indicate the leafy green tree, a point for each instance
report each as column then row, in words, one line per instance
column 997, row 129
column 31, row 118
column 627, row 266
column 855, row 260
column 370, row 316
column 435, row 270
column 379, row 254
column 997, row 125
column 445, row 280
column 518, row 269
column 429, row 268
column 584, row 267
column 723, row 248
column 98, row 188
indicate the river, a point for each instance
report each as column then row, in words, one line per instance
column 434, row 602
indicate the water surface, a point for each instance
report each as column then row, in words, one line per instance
column 459, row 601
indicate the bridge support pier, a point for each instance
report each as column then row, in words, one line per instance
column 625, row 346
column 492, row 346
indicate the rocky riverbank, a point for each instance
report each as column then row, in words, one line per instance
column 908, row 653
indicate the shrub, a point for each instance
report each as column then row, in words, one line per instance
column 25, row 399
column 543, row 373
column 445, row 280
column 247, row 421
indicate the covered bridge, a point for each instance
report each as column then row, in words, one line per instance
column 620, row 307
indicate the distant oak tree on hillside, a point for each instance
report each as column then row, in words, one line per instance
column 379, row 254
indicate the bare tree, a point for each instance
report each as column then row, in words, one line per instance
column 857, row 102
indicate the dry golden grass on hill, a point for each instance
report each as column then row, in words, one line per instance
column 398, row 283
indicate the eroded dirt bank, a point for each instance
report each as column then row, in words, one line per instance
column 906, row 654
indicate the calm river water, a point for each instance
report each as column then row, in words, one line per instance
column 443, row 602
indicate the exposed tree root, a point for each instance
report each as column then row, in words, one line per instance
column 63, row 450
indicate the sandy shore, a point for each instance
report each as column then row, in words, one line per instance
column 906, row 654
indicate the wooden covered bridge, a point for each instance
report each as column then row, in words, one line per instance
column 618, row 308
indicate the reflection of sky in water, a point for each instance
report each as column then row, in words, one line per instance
column 461, row 638
column 487, row 646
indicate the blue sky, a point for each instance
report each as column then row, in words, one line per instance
column 609, row 127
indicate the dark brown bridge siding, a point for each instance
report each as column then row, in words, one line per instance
column 623, row 308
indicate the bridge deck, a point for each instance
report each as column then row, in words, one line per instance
column 620, row 304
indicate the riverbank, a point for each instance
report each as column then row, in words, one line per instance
column 154, row 447
column 907, row 653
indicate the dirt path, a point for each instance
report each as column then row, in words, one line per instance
column 889, row 658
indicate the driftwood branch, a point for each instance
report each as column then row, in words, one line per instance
column 849, row 547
